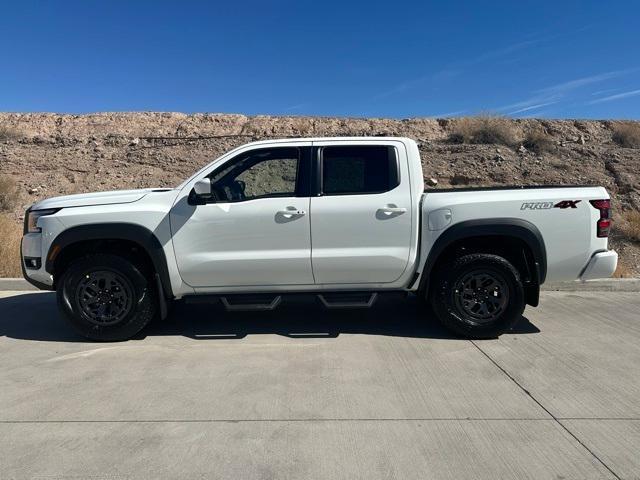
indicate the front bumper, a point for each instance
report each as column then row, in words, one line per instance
column 31, row 246
column 601, row 265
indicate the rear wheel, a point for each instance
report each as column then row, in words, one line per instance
column 106, row 298
column 478, row 295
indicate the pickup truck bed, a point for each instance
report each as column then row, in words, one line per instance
column 561, row 218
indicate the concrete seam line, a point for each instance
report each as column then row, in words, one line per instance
column 316, row 420
column 555, row 419
column 285, row 420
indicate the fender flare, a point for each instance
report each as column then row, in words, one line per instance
column 510, row 227
column 138, row 234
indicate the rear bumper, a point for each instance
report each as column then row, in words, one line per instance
column 601, row 265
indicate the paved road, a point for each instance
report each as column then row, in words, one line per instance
column 306, row 393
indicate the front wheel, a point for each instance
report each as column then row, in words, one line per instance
column 106, row 298
column 478, row 295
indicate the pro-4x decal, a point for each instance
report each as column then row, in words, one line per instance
column 548, row 205
column 567, row 204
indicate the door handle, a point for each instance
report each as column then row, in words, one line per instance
column 393, row 210
column 291, row 213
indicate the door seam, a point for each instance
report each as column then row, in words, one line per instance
column 313, row 274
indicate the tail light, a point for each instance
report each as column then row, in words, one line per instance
column 604, row 223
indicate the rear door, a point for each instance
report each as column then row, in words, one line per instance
column 360, row 213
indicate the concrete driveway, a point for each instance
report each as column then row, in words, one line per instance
column 308, row 393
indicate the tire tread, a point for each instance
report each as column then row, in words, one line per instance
column 145, row 307
column 445, row 277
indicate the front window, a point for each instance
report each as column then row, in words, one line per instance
column 262, row 173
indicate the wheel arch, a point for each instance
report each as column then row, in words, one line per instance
column 80, row 237
column 518, row 240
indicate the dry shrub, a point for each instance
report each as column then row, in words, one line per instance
column 538, row 141
column 11, row 234
column 9, row 133
column 484, row 129
column 8, row 193
column 622, row 271
column 627, row 134
column 629, row 225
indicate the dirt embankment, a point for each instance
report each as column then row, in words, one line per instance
column 50, row 154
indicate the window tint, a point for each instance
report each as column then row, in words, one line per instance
column 258, row 174
column 352, row 170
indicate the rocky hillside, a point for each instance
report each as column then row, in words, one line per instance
column 50, row 154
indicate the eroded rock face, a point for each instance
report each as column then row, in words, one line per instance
column 51, row 154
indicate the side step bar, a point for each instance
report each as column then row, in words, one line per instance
column 348, row 299
column 270, row 301
column 251, row 302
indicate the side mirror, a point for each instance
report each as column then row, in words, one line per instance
column 203, row 187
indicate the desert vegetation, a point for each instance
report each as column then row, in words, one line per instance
column 629, row 224
column 8, row 133
column 8, row 194
column 484, row 129
column 497, row 130
column 538, row 141
column 627, row 134
column 10, row 232
column 622, row 271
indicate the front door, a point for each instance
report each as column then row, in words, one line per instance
column 361, row 217
column 255, row 231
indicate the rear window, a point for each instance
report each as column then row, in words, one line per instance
column 357, row 170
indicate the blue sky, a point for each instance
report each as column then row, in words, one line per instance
column 556, row 59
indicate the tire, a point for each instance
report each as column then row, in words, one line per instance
column 478, row 296
column 106, row 297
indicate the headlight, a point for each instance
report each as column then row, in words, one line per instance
column 32, row 216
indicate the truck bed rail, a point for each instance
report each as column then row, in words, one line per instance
column 502, row 187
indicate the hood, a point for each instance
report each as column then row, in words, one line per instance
column 97, row 198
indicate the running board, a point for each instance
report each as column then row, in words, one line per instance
column 251, row 302
column 348, row 299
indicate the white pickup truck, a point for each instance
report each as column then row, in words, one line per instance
column 343, row 219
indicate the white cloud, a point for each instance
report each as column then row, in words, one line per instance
column 581, row 82
column 456, row 113
column 457, row 68
column 531, row 107
column 297, row 106
column 557, row 93
column 618, row 96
